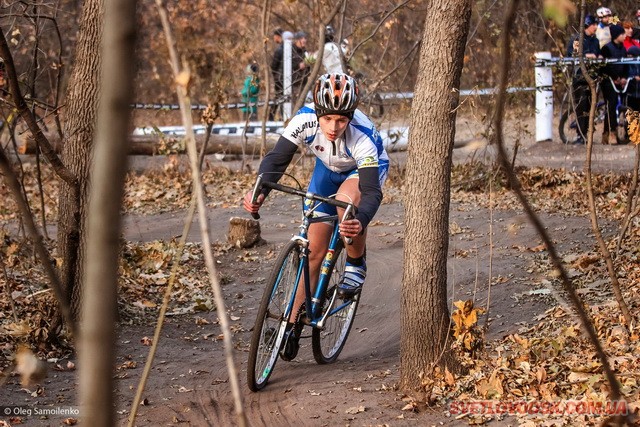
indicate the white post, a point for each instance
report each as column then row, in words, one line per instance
column 286, row 75
column 544, row 99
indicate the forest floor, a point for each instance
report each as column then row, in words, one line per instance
column 491, row 241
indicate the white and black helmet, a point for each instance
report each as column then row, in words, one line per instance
column 336, row 94
column 603, row 11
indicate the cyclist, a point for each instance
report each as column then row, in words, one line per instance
column 602, row 32
column 581, row 92
column 350, row 162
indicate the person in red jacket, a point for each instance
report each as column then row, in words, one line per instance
column 629, row 39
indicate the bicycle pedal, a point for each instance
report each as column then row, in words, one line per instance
column 291, row 342
column 290, row 349
column 350, row 294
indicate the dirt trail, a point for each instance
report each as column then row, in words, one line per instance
column 189, row 382
column 368, row 367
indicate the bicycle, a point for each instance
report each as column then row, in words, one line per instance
column 568, row 124
column 329, row 316
column 622, row 130
column 568, row 121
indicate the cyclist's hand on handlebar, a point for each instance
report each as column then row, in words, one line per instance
column 350, row 228
column 252, row 208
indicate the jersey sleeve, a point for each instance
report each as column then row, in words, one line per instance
column 369, row 183
column 276, row 161
column 302, row 127
column 365, row 154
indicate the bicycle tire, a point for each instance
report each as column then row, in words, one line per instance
column 568, row 124
column 268, row 330
column 563, row 127
column 622, row 131
column 327, row 343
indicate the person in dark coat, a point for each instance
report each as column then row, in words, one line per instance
column 581, row 92
column 615, row 78
column 299, row 66
column 633, row 91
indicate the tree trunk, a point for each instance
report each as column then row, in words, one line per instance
column 97, row 329
column 424, row 312
column 81, row 112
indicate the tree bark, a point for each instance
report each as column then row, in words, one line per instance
column 82, row 106
column 425, row 316
column 97, row 329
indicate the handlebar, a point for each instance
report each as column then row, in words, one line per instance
column 626, row 85
column 350, row 209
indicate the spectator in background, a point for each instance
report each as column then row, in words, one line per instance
column 629, row 40
column 633, row 91
column 581, row 92
column 276, row 72
column 602, row 32
column 299, row 64
column 277, row 36
column 636, row 30
column 331, row 56
column 614, row 74
column 250, row 92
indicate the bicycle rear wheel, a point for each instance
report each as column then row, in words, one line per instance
column 567, row 126
column 269, row 328
column 622, row 131
column 327, row 343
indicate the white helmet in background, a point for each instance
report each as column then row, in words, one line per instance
column 603, row 11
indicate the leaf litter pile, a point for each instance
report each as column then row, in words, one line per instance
column 549, row 361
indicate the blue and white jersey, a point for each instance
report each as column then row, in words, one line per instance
column 359, row 147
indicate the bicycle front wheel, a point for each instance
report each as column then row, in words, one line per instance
column 327, row 343
column 269, row 328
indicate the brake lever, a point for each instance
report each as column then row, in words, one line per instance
column 347, row 215
column 256, row 193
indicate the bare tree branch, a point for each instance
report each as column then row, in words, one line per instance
column 515, row 185
column 318, row 64
column 375, row 30
column 181, row 78
column 27, row 116
column 41, row 250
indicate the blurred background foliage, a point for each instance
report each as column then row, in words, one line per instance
column 219, row 38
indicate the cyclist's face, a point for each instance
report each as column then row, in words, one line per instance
column 333, row 126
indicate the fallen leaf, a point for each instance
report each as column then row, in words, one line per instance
column 31, row 369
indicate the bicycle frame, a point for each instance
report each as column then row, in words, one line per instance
column 620, row 93
column 312, row 302
column 330, row 317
